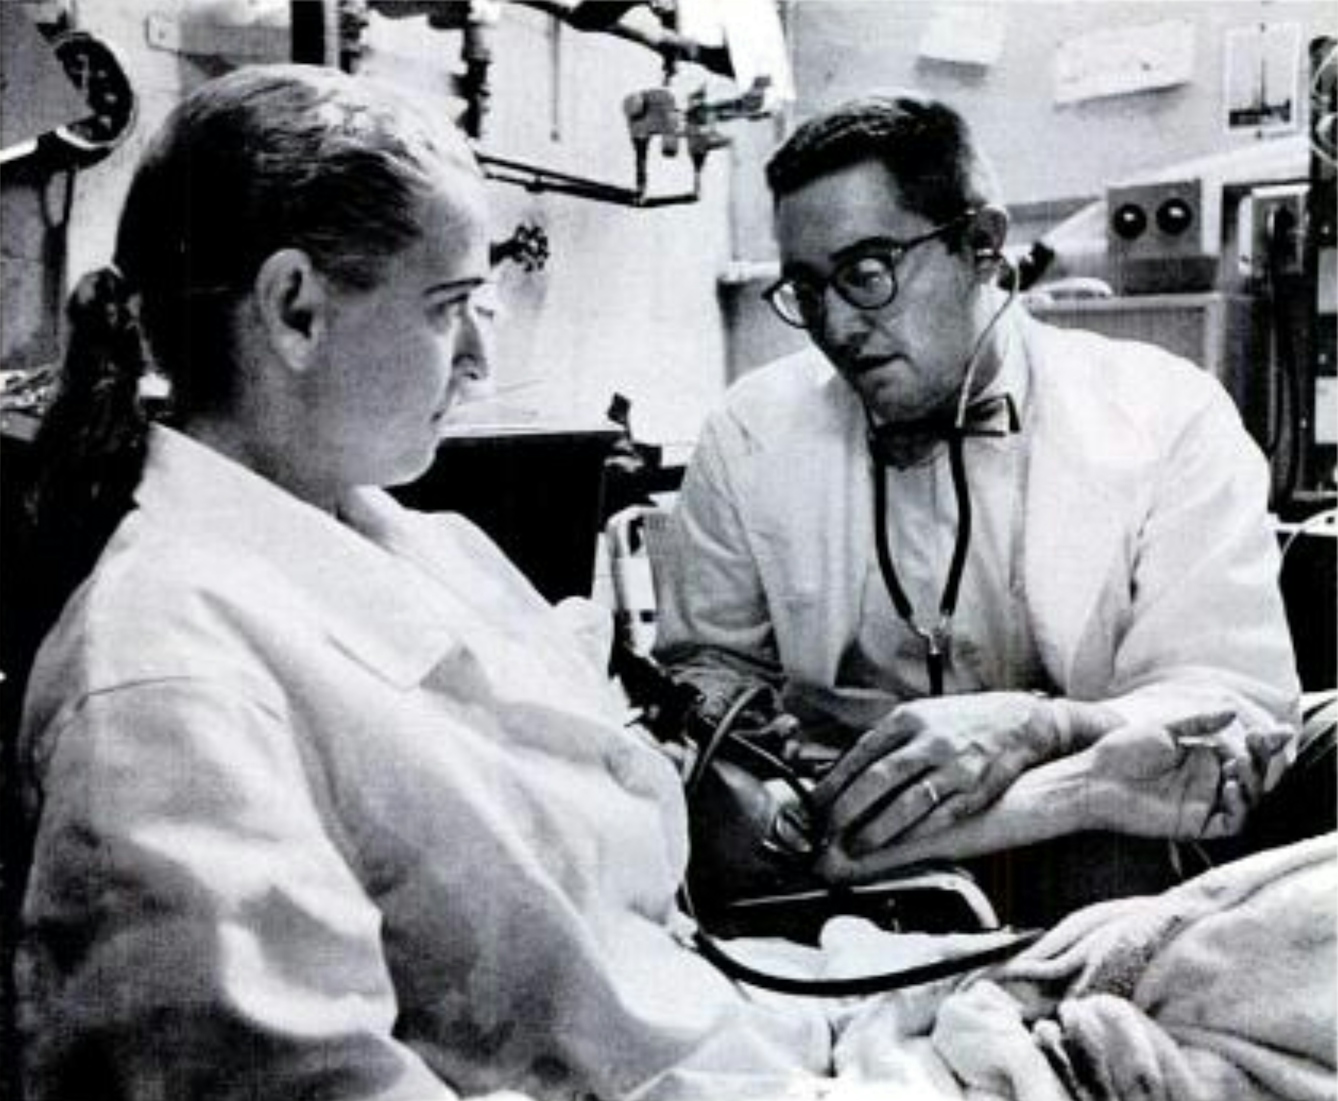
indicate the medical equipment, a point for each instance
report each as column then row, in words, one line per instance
column 748, row 838
column 723, row 795
column 868, row 281
column 1164, row 236
column 883, row 440
column 68, row 100
column 938, row 638
column 654, row 113
column 779, row 840
column 1229, row 260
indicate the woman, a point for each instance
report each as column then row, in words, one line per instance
column 328, row 802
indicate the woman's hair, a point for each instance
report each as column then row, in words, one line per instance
column 260, row 160
column 924, row 144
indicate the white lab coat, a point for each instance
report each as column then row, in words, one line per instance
column 1149, row 562
column 341, row 815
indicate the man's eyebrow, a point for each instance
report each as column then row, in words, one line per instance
column 799, row 270
column 454, row 285
column 864, row 244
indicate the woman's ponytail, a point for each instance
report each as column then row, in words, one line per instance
column 91, row 446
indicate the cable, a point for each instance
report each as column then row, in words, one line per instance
column 1322, row 114
column 937, row 638
column 722, row 730
column 783, row 772
column 1280, row 224
column 862, row 985
column 1328, row 516
column 957, row 566
column 964, row 398
column 876, row 983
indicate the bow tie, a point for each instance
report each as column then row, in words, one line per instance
column 995, row 415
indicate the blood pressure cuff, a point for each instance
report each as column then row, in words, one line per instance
column 750, row 838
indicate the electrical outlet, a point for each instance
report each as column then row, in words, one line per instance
column 1276, row 215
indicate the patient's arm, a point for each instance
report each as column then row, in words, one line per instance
column 1154, row 781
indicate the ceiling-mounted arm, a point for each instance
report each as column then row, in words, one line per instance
column 672, row 46
column 600, row 15
column 653, row 113
column 536, row 178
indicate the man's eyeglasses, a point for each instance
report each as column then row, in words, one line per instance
column 867, row 280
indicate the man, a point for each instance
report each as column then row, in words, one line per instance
column 967, row 546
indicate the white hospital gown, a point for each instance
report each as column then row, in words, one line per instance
column 341, row 810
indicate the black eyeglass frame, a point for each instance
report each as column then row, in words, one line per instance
column 889, row 251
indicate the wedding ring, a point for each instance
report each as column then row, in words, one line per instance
column 931, row 791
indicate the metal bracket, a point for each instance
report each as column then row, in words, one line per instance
column 536, row 178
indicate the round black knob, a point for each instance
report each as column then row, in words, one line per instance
column 1174, row 216
column 1129, row 221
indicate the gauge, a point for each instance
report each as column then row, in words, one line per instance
column 96, row 71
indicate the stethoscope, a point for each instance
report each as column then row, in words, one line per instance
column 937, row 639
column 792, row 826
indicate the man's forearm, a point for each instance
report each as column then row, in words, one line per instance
column 1073, row 725
column 1050, row 801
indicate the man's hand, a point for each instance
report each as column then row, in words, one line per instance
column 949, row 757
column 1194, row 777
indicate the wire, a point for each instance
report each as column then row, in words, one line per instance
column 1328, row 516
column 1322, row 113
column 1288, row 369
column 876, row 983
column 783, row 772
column 863, row 984
column 964, row 398
column 720, row 733
column 936, row 638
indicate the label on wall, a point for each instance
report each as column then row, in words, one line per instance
column 1124, row 60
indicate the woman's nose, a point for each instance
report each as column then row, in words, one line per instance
column 473, row 355
column 469, row 368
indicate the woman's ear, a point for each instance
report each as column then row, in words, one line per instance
column 292, row 301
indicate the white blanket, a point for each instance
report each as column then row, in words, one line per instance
column 1222, row 988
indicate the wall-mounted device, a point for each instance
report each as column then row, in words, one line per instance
column 656, row 113
column 1318, row 471
column 1164, row 236
column 652, row 114
column 67, row 98
column 67, row 102
column 1270, row 231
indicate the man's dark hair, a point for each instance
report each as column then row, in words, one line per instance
column 925, row 145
